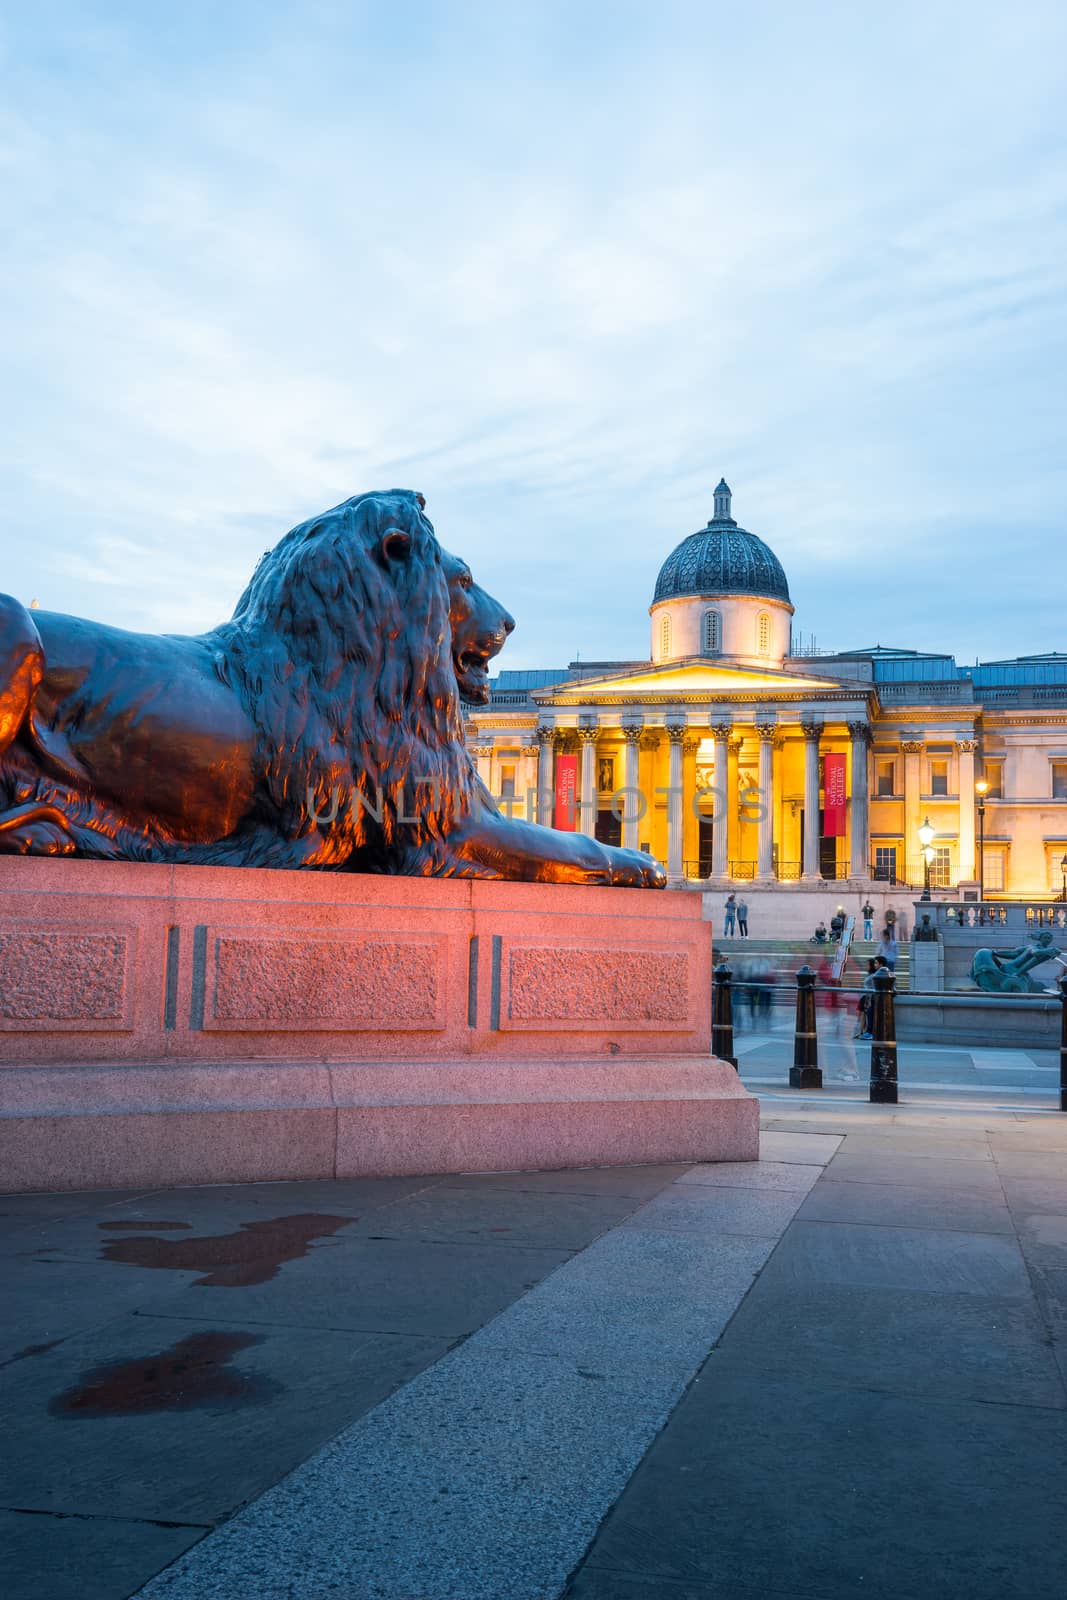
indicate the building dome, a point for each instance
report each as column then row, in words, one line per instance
column 721, row 559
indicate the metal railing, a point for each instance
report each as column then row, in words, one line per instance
column 876, row 1025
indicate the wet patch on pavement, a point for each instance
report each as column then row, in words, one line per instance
column 190, row 1374
column 230, row 1260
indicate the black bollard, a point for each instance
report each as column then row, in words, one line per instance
column 883, row 1041
column 1063, row 1043
column 722, row 1016
column 805, row 1072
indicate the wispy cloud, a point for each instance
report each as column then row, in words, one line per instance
column 559, row 268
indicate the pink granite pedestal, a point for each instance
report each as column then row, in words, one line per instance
column 165, row 1026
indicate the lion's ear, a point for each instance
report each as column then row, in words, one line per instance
column 395, row 546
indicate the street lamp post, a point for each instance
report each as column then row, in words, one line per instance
column 926, row 834
column 981, row 789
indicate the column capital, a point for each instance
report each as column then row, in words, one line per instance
column 481, row 749
column 676, row 732
column 546, row 733
column 690, row 747
column 530, row 749
column 859, row 732
column 966, row 747
column 721, row 730
column 912, row 747
column 588, row 735
column 632, row 735
column 734, row 745
column 767, row 731
column 811, row 729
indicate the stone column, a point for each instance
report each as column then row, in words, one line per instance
column 483, row 756
column 967, row 869
column 859, row 814
column 720, row 838
column 690, row 825
column 587, row 738
column 527, row 794
column 675, row 862
column 765, row 847
column 733, row 821
column 546, row 775
column 810, row 870
column 631, row 781
column 912, row 749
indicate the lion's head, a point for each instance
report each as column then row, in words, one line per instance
column 342, row 648
column 480, row 627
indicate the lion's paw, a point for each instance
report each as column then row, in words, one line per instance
column 632, row 869
column 31, row 834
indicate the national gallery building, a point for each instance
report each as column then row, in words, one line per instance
column 734, row 760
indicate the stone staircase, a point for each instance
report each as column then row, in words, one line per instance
column 785, row 956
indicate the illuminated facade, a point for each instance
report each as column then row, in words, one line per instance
column 713, row 753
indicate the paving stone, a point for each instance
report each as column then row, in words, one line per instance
column 1036, row 1194
column 596, row 1583
column 633, row 1299
column 84, row 1558
column 928, row 1171
column 690, row 1208
column 816, row 1148
column 897, row 1141
column 641, row 1182
column 187, row 1464
column 499, row 1217
column 388, row 1285
column 809, row 1489
column 1043, row 1238
column 46, row 1302
column 1032, row 1164
column 901, row 1258
column 893, row 1205
column 483, row 1479
column 959, row 1346
column 754, row 1175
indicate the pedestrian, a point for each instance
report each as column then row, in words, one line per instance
column 731, row 913
column 863, row 1021
column 887, row 947
column 837, row 925
column 742, row 918
column 868, row 921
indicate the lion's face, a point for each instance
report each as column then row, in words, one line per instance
column 480, row 626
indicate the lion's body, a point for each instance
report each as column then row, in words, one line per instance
column 320, row 727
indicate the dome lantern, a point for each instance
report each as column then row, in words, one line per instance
column 722, row 502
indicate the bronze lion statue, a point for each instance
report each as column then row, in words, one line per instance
column 320, row 727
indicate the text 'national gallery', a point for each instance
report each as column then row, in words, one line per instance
column 734, row 759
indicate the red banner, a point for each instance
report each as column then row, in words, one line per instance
column 566, row 793
column 833, row 811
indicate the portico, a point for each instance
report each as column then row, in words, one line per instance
column 715, row 770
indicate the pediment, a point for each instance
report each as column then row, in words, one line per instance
column 696, row 680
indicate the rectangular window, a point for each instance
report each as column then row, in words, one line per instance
column 507, row 782
column 885, row 863
column 941, row 866
column 993, row 773
column 994, row 870
column 1059, row 780
column 885, row 776
column 939, row 777
column 1056, row 870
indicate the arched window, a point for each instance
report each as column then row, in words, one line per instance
column 763, row 634
column 664, row 637
column 712, row 633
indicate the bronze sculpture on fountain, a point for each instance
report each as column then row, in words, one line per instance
column 320, row 727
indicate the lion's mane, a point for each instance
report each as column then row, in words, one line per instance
column 342, row 656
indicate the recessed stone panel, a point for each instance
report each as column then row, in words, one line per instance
column 56, row 978
column 584, row 986
column 354, row 983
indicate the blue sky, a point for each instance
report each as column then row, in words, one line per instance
column 560, row 267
